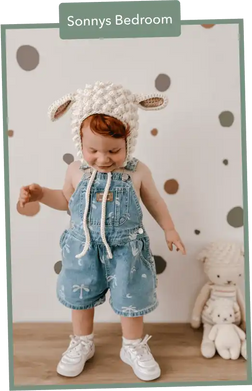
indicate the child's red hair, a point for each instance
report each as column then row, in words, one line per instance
column 107, row 126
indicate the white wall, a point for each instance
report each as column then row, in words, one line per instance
column 203, row 65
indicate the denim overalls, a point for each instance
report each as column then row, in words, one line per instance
column 117, row 256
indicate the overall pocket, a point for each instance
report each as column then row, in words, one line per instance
column 63, row 238
column 148, row 259
column 121, row 205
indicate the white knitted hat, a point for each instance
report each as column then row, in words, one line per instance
column 109, row 99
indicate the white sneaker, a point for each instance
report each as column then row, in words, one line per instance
column 139, row 357
column 74, row 358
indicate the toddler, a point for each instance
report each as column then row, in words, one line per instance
column 106, row 246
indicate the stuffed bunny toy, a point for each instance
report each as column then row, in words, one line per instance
column 223, row 264
column 225, row 334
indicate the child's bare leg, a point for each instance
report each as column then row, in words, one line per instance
column 83, row 321
column 132, row 328
column 135, row 351
column 81, row 347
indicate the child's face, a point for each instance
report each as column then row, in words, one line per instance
column 105, row 154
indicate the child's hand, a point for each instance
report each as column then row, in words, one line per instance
column 30, row 193
column 172, row 237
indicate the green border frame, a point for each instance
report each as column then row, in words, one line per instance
column 6, row 27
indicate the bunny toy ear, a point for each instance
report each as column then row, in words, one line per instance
column 60, row 107
column 151, row 102
column 202, row 256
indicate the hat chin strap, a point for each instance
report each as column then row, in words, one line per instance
column 103, row 216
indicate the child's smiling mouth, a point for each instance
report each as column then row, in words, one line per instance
column 104, row 167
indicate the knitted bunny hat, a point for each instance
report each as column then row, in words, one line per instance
column 109, row 99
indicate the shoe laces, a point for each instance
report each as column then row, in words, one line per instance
column 77, row 345
column 142, row 350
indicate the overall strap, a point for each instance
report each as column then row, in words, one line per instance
column 131, row 165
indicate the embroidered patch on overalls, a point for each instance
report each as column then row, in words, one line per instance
column 99, row 197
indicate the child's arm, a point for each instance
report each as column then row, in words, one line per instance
column 56, row 199
column 157, row 207
column 152, row 199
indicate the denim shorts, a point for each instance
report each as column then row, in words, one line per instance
column 130, row 275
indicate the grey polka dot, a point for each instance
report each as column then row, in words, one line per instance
column 68, row 212
column 68, row 158
column 226, row 118
column 160, row 264
column 58, row 267
column 197, row 232
column 225, row 161
column 235, row 217
column 162, row 82
column 27, row 57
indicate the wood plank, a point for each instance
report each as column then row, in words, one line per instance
column 176, row 347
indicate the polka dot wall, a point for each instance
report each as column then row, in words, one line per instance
column 191, row 148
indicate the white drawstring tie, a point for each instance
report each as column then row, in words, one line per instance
column 103, row 216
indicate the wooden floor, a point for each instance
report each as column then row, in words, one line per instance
column 176, row 347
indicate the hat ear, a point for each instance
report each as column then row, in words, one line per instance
column 151, row 102
column 60, row 107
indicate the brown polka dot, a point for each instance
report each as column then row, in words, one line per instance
column 58, row 267
column 225, row 161
column 171, row 186
column 27, row 57
column 197, row 232
column 30, row 209
column 162, row 82
column 68, row 158
column 10, row 133
column 207, row 26
column 154, row 132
